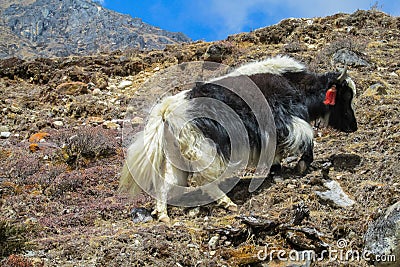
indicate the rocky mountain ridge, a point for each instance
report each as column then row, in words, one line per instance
column 48, row 28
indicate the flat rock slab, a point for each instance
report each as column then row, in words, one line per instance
column 382, row 239
column 335, row 195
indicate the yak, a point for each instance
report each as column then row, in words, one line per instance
column 295, row 95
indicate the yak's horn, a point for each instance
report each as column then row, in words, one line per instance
column 343, row 75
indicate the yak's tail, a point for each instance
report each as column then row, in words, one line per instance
column 145, row 157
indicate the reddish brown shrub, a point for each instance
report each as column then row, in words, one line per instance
column 65, row 182
column 20, row 164
column 16, row 261
column 81, row 145
column 46, row 175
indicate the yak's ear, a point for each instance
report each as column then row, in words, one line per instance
column 343, row 75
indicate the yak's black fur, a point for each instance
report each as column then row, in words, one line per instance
column 293, row 94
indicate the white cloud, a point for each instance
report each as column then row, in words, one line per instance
column 234, row 15
column 101, row 2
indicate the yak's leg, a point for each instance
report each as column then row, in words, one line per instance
column 217, row 195
column 207, row 166
column 172, row 176
column 210, row 174
column 306, row 159
column 276, row 167
column 300, row 141
column 224, row 201
column 161, row 211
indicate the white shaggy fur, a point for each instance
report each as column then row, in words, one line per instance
column 275, row 65
column 352, row 85
column 145, row 157
column 155, row 170
column 300, row 135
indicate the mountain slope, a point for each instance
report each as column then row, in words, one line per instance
column 49, row 28
column 63, row 122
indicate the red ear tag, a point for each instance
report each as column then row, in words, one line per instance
column 330, row 96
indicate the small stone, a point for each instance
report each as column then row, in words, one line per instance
column 30, row 254
column 278, row 179
column 91, row 85
column 14, row 108
column 212, row 252
column 58, row 123
column 73, row 88
column 31, row 220
column 96, row 91
column 345, row 161
column 95, row 120
column 111, row 125
column 194, row 212
column 219, row 51
column 34, row 147
column 178, row 224
column 213, row 242
column 124, row 84
column 141, row 215
column 5, row 135
column 291, row 186
column 136, row 243
column 112, row 87
column 4, row 129
column 137, row 121
column 156, row 69
column 192, row 246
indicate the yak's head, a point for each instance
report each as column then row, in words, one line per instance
column 341, row 115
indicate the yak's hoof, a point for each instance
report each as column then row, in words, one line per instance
column 164, row 218
column 302, row 167
column 232, row 207
column 161, row 216
column 227, row 203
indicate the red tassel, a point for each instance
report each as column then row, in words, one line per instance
column 330, row 96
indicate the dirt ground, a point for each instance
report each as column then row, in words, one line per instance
column 60, row 165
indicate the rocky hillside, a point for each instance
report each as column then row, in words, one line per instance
column 47, row 28
column 62, row 122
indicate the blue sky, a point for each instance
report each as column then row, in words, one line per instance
column 212, row 20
